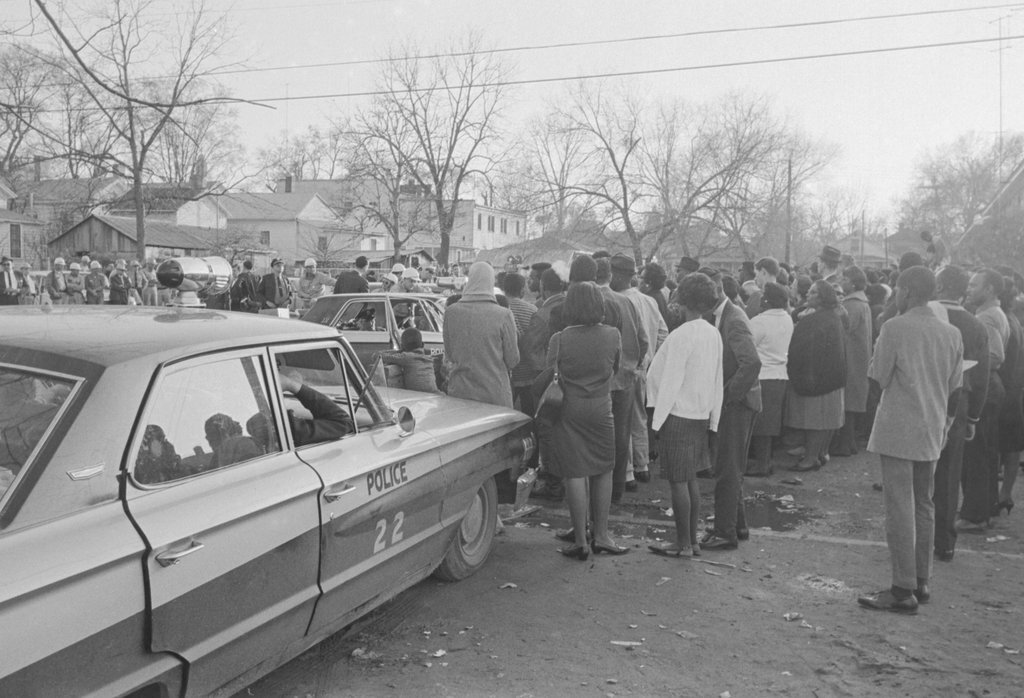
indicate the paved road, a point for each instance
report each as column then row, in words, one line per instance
column 532, row 623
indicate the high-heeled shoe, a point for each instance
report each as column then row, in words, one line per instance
column 580, row 552
column 1003, row 504
column 599, row 548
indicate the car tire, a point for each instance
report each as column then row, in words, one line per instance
column 474, row 537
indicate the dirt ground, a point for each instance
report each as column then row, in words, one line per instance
column 780, row 618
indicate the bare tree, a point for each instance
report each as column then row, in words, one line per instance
column 201, row 140
column 450, row 104
column 24, row 82
column 316, row 153
column 956, row 181
column 106, row 56
column 234, row 244
column 386, row 194
column 556, row 154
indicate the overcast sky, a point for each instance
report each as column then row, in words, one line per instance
column 883, row 110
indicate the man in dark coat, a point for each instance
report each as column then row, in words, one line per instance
column 740, row 404
column 10, row 282
column 243, row 290
column 274, row 290
column 354, row 281
column 951, row 288
column 621, row 314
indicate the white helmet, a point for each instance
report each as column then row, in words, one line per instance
column 58, row 261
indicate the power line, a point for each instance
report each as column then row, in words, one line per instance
column 622, row 40
column 628, row 73
column 598, row 42
column 659, row 71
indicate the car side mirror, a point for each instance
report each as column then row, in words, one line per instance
column 406, row 422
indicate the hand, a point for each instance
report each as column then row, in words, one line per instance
column 969, row 432
column 291, row 382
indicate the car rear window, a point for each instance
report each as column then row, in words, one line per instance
column 29, row 404
column 323, row 311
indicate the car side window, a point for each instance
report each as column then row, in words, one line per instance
column 330, row 372
column 413, row 313
column 206, row 416
column 364, row 316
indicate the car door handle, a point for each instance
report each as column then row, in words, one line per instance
column 166, row 559
column 337, row 492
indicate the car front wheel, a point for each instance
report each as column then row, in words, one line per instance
column 475, row 536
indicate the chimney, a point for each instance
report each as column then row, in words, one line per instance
column 288, row 184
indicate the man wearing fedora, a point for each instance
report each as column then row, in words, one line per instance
column 274, row 290
column 831, row 258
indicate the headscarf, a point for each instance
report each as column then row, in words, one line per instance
column 479, row 284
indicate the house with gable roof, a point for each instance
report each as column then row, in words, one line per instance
column 116, row 237
column 295, row 224
column 20, row 235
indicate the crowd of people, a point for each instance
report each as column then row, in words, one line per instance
column 709, row 375
column 923, row 364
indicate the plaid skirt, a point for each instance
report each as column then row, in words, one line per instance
column 683, row 448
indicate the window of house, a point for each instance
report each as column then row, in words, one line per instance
column 490, row 224
column 517, row 227
column 321, row 242
column 373, row 244
column 16, row 250
column 479, row 221
column 204, row 417
column 265, row 238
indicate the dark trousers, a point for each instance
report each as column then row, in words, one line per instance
column 729, row 455
column 947, row 480
column 980, row 476
column 622, row 414
column 844, row 439
column 527, row 403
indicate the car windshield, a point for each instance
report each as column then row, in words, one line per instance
column 324, row 311
column 29, row 404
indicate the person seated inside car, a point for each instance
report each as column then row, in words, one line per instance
column 403, row 315
column 228, row 442
column 157, row 460
column 328, row 421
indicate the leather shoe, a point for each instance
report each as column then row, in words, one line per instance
column 743, row 533
column 944, row 555
column 922, row 593
column 632, row 486
column 887, row 601
column 599, row 548
column 642, row 475
column 713, row 541
column 569, row 535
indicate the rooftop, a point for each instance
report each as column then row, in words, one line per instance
column 51, row 336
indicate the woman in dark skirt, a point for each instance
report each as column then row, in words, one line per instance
column 772, row 329
column 684, row 386
column 816, row 366
column 581, row 444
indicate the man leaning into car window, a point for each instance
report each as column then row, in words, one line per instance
column 329, row 421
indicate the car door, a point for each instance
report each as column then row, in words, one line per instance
column 229, row 515
column 381, row 504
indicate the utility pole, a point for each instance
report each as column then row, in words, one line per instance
column 789, row 205
column 863, row 228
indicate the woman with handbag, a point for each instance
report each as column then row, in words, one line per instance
column 579, row 446
column 816, row 366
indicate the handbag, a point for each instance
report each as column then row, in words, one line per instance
column 549, row 407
